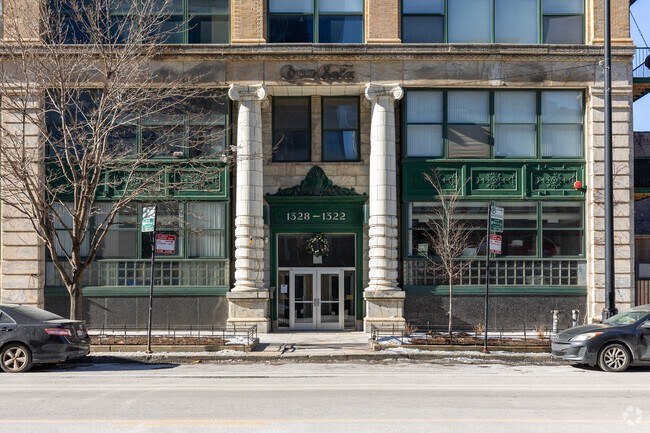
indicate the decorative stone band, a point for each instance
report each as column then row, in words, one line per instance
column 241, row 92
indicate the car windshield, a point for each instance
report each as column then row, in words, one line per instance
column 626, row 318
column 35, row 313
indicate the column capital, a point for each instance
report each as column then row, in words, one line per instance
column 242, row 92
column 374, row 91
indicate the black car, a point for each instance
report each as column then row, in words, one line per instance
column 30, row 335
column 614, row 344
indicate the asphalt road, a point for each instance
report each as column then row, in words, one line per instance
column 388, row 397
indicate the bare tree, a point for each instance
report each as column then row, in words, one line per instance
column 76, row 76
column 448, row 235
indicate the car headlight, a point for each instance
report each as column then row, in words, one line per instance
column 586, row 336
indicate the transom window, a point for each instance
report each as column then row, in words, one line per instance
column 493, row 21
column 530, row 228
column 316, row 21
column 466, row 124
column 185, row 21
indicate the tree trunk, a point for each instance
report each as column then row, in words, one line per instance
column 76, row 300
column 450, row 304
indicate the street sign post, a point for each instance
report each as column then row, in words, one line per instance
column 149, row 226
column 148, row 219
column 165, row 244
column 495, row 244
column 496, row 219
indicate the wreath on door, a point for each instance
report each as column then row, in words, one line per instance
column 318, row 245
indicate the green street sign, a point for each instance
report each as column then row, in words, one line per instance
column 148, row 219
column 496, row 219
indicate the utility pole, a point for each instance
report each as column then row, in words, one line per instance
column 610, row 294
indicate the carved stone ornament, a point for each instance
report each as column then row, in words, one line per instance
column 326, row 73
column 495, row 180
column 374, row 91
column 556, row 180
column 239, row 92
column 316, row 183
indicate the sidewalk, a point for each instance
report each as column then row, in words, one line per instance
column 282, row 347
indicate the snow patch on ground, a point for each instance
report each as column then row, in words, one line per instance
column 401, row 350
column 158, row 354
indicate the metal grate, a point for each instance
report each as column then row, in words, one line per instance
column 640, row 69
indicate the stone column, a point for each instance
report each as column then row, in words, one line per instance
column 384, row 300
column 248, row 302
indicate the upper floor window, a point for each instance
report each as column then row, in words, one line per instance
column 176, row 21
column 459, row 124
column 316, row 21
column 341, row 129
column 194, row 128
column 291, row 129
column 493, row 21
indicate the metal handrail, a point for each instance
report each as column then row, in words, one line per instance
column 639, row 66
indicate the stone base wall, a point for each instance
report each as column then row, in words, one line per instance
column 133, row 311
column 507, row 312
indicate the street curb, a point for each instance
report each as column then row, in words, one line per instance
column 250, row 358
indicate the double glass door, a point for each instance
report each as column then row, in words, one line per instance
column 316, row 299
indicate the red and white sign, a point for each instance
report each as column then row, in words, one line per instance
column 166, row 244
column 495, row 244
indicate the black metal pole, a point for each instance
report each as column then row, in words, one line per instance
column 610, row 294
column 487, row 281
column 153, row 263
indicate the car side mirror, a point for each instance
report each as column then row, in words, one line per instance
column 646, row 324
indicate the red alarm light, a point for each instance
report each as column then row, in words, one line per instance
column 577, row 184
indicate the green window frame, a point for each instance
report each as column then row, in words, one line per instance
column 566, row 105
column 193, row 22
column 551, row 18
column 305, row 11
column 287, row 135
column 187, row 229
column 342, row 134
column 199, row 129
column 542, row 223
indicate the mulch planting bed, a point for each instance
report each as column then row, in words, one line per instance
column 471, row 340
column 167, row 341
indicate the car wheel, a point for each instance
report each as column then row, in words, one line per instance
column 15, row 358
column 614, row 358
